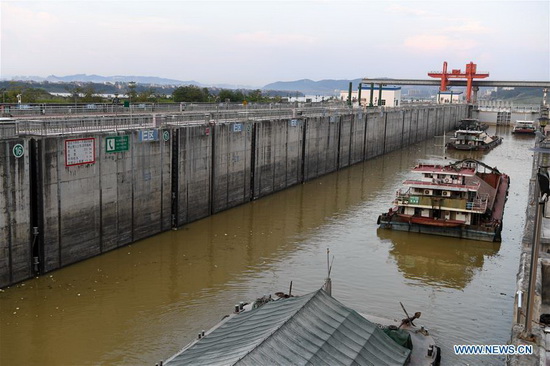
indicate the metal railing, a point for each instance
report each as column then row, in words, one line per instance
column 45, row 110
column 205, row 113
column 500, row 106
column 83, row 125
column 8, row 130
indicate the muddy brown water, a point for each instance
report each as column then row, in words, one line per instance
column 140, row 304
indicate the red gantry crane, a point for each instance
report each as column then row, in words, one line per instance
column 469, row 75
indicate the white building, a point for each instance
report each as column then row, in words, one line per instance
column 448, row 97
column 391, row 96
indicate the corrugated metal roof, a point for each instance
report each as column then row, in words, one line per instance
column 313, row 329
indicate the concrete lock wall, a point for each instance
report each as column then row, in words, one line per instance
column 15, row 219
column 101, row 205
column 320, row 151
column 231, row 165
column 194, row 172
column 376, row 128
column 277, row 155
column 176, row 174
column 357, row 138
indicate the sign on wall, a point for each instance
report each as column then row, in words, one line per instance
column 80, row 151
column 18, row 150
column 148, row 135
column 114, row 144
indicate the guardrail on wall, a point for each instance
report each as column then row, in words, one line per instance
column 69, row 124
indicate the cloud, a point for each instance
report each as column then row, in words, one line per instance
column 409, row 11
column 19, row 19
column 468, row 27
column 148, row 24
column 431, row 43
column 267, row 38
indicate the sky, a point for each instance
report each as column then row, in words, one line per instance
column 253, row 43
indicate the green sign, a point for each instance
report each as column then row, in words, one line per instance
column 18, row 150
column 114, row 144
column 413, row 200
column 166, row 135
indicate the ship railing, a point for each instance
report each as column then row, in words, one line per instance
column 479, row 203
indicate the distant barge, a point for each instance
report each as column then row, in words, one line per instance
column 472, row 124
column 465, row 199
column 473, row 140
column 524, row 127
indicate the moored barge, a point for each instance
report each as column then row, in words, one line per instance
column 311, row 329
column 524, row 127
column 472, row 124
column 473, row 140
column 464, row 199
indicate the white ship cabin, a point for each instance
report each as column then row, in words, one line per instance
column 471, row 137
column 441, row 193
column 436, row 175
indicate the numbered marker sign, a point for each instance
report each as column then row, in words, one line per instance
column 18, row 150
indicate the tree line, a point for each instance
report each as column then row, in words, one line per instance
column 88, row 93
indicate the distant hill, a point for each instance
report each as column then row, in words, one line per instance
column 119, row 78
column 99, row 79
column 310, row 87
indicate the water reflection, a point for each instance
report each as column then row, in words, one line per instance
column 436, row 261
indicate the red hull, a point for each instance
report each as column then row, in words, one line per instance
column 526, row 131
column 431, row 221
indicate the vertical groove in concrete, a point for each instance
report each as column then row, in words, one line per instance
column 132, row 162
column 304, row 147
column 385, row 130
column 253, row 152
column 6, row 277
column 212, row 169
column 59, row 228
column 338, row 147
column 174, row 181
column 365, row 138
column 99, row 163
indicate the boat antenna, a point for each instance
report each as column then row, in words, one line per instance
column 290, row 289
column 328, row 282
